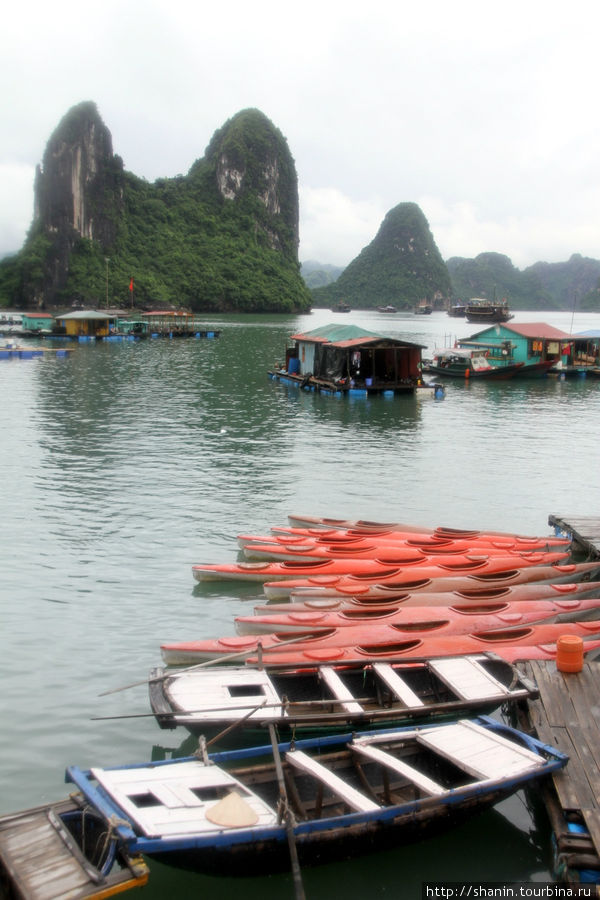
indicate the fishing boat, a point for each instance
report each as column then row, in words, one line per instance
column 373, row 621
column 319, row 799
column 387, row 309
column 445, row 576
column 374, row 569
column 481, row 310
column 482, row 597
column 512, row 644
column 422, row 623
column 65, row 849
column 327, row 698
column 467, row 364
column 457, row 310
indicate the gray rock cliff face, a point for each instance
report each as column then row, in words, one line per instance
column 77, row 192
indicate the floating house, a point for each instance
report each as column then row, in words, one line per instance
column 176, row 323
column 86, row 324
column 538, row 346
column 346, row 359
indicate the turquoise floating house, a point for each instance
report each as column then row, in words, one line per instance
column 346, row 359
column 540, row 347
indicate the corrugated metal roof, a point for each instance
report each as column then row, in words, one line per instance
column 89, row 314
column 346, row 336
column 529, row 330
column 592, row 333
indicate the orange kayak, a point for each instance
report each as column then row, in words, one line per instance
column 373, row 569
column 320, row 522
column 278, row 550
column 389, row 536
column 356, row 626
column 440, row 577
column 512, row 645
column 431, row 623
column 357, row 608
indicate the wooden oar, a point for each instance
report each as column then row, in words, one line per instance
column 209, row 662
column 289, row 820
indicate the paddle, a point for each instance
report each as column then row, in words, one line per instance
column 208, row 662
column 289, row 819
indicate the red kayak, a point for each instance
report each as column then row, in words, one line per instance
column 355, row 627
column 277, row 550
column 373, row 569
column 430, row 622
column 512, row 644
column 482, row 598
column 320, row 522
column 415, row 539
column 440, row 577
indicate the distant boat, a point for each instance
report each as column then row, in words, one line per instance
column 423, row 308
column 479, row 310
column 457, row 310
column 341, row 307
column 458, row 362
column 387, row 309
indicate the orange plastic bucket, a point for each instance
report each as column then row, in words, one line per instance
column 569, row 653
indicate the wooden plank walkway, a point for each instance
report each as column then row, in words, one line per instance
column 567, row 715
column 585, row 531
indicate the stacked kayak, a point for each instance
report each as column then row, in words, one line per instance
column 358, row 590
column 428, row 633
column 435, row 616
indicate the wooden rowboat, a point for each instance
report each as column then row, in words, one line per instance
column 374, row 621
column 369, row 568
column 65, row 849
column 327, row 698
column 338, row 796
column 478, row 596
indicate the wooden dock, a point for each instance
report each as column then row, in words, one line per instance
column 567, row 715
column 584, row 530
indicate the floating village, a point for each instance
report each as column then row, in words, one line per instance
column 393, row 681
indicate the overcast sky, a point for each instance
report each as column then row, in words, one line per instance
column 485, row 115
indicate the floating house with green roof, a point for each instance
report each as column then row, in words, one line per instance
column 346, row 359
column 538, row 346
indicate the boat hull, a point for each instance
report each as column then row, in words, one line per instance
column 401, row 805
column 306, row 699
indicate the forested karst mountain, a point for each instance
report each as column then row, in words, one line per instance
column 400, row 266
column 223, row 237
column 540, row 286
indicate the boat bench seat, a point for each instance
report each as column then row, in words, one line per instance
column 467, row 678
column 355, row 799
column 426, row 784
column 397, row 686
column 339, row 690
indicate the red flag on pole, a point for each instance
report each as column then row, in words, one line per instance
column 131, row 284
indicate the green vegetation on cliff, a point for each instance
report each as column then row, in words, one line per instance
column 224, row 237
column 401, row 266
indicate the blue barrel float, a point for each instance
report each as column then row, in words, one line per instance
column 294, row 366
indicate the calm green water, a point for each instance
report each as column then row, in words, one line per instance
column 127, row 463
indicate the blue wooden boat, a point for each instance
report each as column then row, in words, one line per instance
column 248, row 811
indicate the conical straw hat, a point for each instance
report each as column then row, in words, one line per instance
column 232, row 812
